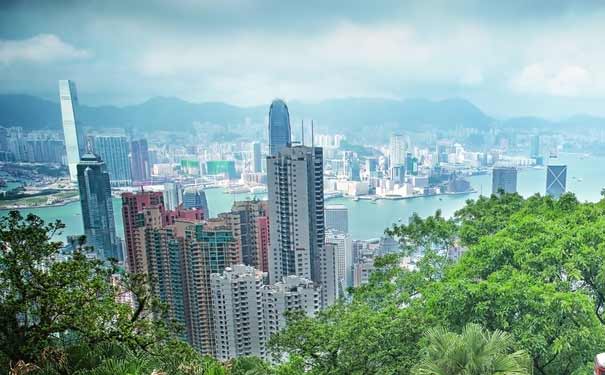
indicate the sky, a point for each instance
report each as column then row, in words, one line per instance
column 510, row 58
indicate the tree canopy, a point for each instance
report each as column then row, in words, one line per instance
column 527, row 292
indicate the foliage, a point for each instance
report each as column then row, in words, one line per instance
column 46, row 305
column 532, row 268
column 473, row 352
column 531, row 273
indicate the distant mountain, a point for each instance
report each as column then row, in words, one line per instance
column 171, row 113
column 366, row 116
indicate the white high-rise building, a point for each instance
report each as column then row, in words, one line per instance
column 296, row 213
column 343, row 257
column 246, row 313
column 72, row 132
column 329, row 283
column 237, row 304
column 397, row 149
column 292, row 294
column 173, row 195
column 337, row 217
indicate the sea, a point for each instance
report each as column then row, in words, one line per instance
column 367, row 219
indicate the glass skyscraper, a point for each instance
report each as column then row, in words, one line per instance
column 505, row 179
column 556, row 180
column 97, row 209
column 74, row 141
column 114, row 150
column 139, row 161
column 194, row 197
column 279, row 127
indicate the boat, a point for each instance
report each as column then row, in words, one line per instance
column 355, row 199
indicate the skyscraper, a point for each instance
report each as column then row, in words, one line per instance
column 246, row 312
column 173, row 195
column 256, row 158
column 343, row 257
column 556, row 180
column 398, row 150
column 194, row 197
column 296, row 218
column 337, row 217
column 249, row 213
column 279, row 127
column 139, row 161
column 97, row 208
column 504, row 178
column 296, row 212
column 132, row 216
column 72, row 132
column 114, row 151
column 238, row 312
column 292, row 294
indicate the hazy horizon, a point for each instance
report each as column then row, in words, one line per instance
column 512, row 59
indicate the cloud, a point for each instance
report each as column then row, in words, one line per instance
column 42, row 48
column 566, row 81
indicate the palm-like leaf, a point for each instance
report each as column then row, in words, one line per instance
column 473, row 352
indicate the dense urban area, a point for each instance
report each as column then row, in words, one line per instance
column 302, row 188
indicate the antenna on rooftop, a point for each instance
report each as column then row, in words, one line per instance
column 302, row 131
column 312, row 135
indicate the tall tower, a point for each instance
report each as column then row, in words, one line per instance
column 556, row 180
column 296, row 213
column 114, row 151
column 97, row 208
column 504, row 178
column 74, row 141
column 139, row 161
column 279, row 127
column 398, row 150
column 133, row 205
column 256, row 158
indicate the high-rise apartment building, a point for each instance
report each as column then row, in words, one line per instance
column 296, row 212
column 246, row 312
column 139, row 161
column 343, row 257
column 72, row 132
column 207, row 251
column 194, row 197
column 114, row 151
column 97, row 208
column 133, row 217
column 279, row 127
column 256, row 158
column 253, row 247
column 292, row 294
column 337, row 217
column 556, row 180
column 237, row 307
column 262, row 242
column 505, row 179
column 179, row 252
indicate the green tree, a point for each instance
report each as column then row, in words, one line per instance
column 473, row 352
column 47, row 305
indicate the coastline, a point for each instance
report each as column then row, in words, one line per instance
column 56, row 204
